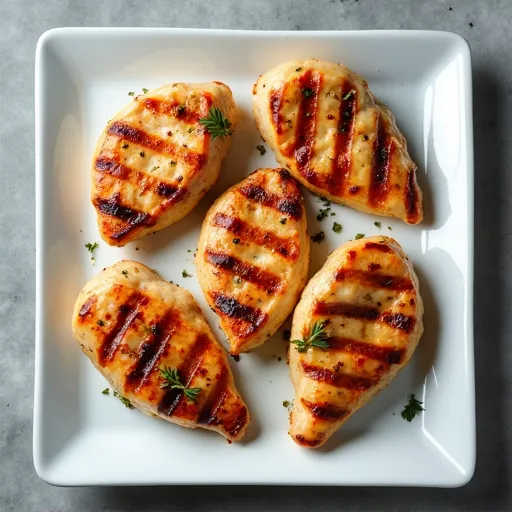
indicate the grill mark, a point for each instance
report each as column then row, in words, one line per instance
column 377, row 247
column 208, row 414
column 342, row 162
column 172, row 400
column 231, row 308
column 308, row 442
column 383, row 354
column 109, row 166
column 399, row 321
column 127, row 314
column 276, row 101
column 159, row 107
column 324, row 411
column 383, row 147
column 156, row 144
column 237, row 422
column 374, row 280
column 290, row 207
column 344, row 309
column 251, row 273
column 151, row 350
column 411, row 196
column 306, row 125
column 337, row 379
column 283, row 246
column 85, row 310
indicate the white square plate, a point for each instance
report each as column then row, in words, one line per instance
column 82, row 437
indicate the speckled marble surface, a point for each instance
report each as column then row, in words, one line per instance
column 23, row 21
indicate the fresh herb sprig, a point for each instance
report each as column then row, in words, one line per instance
column 317, row 338
column 413, row 408
column 124, row 400
column 172, row 380
column 216, row 123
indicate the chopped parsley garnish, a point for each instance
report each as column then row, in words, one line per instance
column 173, row 162
column 155, row 168
column 124, row 272
column 184, row 273
column 172, row 380
column 190, row 130
column 236, row 241
column 261, row 149
column 359, row 235
column 144, row 90
column 124, row 146
column 283, row 220
column 237, row 280
column 286, row 403
column 106, row 391
column 307, row 92
column 142, row 154
column 124, row 400
column 337, row 227
column 131, row 93
column 92, row 247
column 101, row 323
column 299, row 69
column 390, row 228
column 216, row 123
column 412, row 408
column 377, row 223
column 317, row 338
column 324, row 212
column 318, row 237
column 349, row 95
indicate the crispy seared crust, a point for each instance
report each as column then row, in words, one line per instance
column 327, row 128
column 130, row 322
column 368, row 293
column 252, row 257
column 155, row 161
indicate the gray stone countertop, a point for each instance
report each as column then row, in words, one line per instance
column 486, row 24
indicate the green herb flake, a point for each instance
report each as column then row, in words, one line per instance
column 359, row 236
column 377, row 223
column 413, row 408
column 337, row 227
column 261, row 149
column 124, row 272
column 190, row 130
column 298, row 69
column 106, row 391
column 216, row 124
column 236, row 241
column 101, row 323
column 184, row 273
column 172, row 380
column 144, row 90
column 131, row 93
column 283, row 220
column 324, row 212
column 390, row 228
column 317, row 337
column 307, row 92
column 237, row 280
column 92, row 247
column 142, row 154
column 124, row 146
column 286, row 403
column 124, row 400
column 349, row 95
column 156, row 167
column 318, row 237
column 173, row 163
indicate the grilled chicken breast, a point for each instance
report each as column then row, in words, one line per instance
column 336, row 138
column 155, row 160
column 367, row 299
column 132, row 325
column 253, row 256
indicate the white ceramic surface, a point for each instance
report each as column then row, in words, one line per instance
column 83, row 77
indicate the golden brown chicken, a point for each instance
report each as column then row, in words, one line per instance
column 336, row 138
column 150, row 340
column 357, row 324
column 253, row 256
column 158, row 157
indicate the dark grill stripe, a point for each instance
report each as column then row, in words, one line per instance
column 276, row 101
column 172, row 401
column 370, row 350
column 412, row 202
column 306, row 123
column 240, row 314
column 399, row 321
column 150, row 351
column 127, row 314
column 324, row 411
column 246, row 271
column 159, row 107
column 336, row 378
column 209, row 412
column 107, row 165
column 237, row 421
column 137, row 136
column 342, row 162
column 383, row 146
column 344, row 309
column 378, row 247
column 289, row 206
column 283, row 246
column 371, row 279
column 85, row 310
